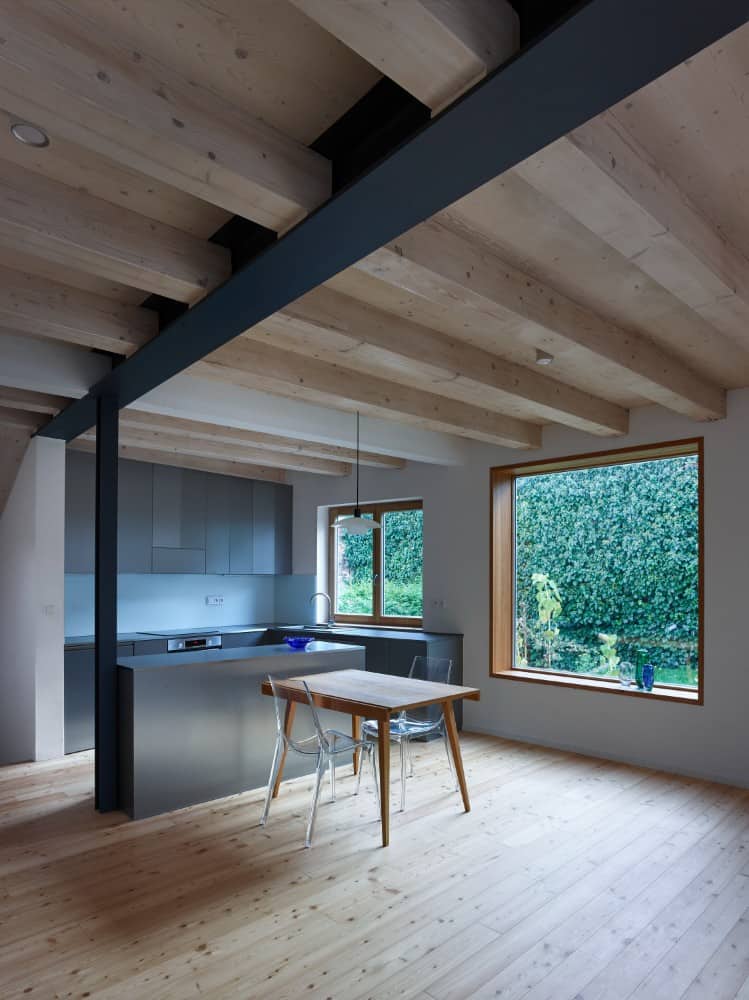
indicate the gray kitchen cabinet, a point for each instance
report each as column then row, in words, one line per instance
column 178, row 560
column 79, row 687
column 179, row 520
column 135, row 525
column 241, row 527
column 80, row 505
column 218, row 496
column 235, row 640
column 271, row 518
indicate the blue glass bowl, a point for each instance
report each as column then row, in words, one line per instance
column 298, row 641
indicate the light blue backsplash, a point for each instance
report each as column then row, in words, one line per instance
column 146, row 603
column 151, row 602
column 292, row 600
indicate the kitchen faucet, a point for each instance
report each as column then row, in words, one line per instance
column 321, row 593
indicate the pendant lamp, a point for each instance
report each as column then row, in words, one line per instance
column 354, row 523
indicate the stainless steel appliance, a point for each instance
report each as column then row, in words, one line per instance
column 187, row 640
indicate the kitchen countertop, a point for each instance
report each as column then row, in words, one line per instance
column 203, row 656
column 363, row 631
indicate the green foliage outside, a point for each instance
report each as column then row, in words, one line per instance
column 403, row 557
column 607, row 569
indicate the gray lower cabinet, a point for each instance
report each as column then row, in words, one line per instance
column 79, row 685
column 235, row 640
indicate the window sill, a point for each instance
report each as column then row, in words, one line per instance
column 678, row 695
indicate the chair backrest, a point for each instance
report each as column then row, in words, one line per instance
column 429, row 668
column 279, row 704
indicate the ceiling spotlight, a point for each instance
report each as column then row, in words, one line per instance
column 29, row 135
column 542, row 358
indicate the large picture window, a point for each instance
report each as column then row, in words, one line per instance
column 377, row 577
column 597, row 571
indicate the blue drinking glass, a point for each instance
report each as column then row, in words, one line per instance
column 648, row 676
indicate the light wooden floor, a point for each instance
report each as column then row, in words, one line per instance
column 571, row 878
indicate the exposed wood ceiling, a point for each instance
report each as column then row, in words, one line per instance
column 622, row 249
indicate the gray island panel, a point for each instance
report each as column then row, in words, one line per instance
column 196, row 726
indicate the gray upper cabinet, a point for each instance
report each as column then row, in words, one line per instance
column 135, row 525
column 181, row 521
column 218, row 499
column 241, row 527
column 272, row 528
column 80, row 503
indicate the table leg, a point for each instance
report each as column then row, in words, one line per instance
column 288, row 722
column 383, row 754
column 452, row 735
column 356, row 734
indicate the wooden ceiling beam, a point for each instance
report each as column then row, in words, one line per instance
column 258, row 439
column 183, row 444
column 42, row 308
column 31, row 402
column 434, row 50
column 130, row 107
column 270, row 369
column 20, row 419
column 345, row 325
column 222, row 467
column 612, row 149
column 442, row 266
column 53, row 221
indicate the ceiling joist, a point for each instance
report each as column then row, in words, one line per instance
column 31, row 402
column 222, row 467
column 434, row 50
column 444, row 267
column 41, row 308
column 132, row 108
column 343, row 329
column 198, row 429
column 53, row 221
column 270, row 369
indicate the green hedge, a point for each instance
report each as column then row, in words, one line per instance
column 621, row 544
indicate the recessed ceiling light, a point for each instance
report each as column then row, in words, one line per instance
column 29, row 135
column 542, row 358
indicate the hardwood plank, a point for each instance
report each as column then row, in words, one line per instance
column 51, row 220
column 439, row 264
column 270, row 369
column 204, row 901
column 31, row 305
column 224, row 467
column 434, row 50
column 132, row 108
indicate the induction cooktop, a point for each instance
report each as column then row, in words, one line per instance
column 183, row 633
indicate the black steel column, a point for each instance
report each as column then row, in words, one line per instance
column 107, row 434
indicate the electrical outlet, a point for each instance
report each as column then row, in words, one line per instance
column 214, row 600
column 439, row 603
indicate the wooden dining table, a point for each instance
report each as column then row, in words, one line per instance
column 363, row 694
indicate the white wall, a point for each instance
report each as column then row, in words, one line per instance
column 31, row 607
column 710, row 741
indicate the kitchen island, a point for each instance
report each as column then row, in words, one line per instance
column 196, row 726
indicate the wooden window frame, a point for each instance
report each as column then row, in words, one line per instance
column 377, row 510
column 502, row 570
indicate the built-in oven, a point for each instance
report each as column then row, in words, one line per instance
column 186, row 644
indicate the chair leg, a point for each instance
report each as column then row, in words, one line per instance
column 373, row 757
column 277, row 754
column 319, row 772
column 449, row 758
column 410, row 759
column 402, row 745
column 331, row 765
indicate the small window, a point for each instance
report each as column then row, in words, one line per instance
column 376, row 577
column 597, row 571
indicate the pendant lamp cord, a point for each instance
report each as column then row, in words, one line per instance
column 357, row 459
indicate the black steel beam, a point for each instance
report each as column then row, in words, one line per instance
column 106, row 717
column 601, row 54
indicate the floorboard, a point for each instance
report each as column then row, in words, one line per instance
column 571, row 879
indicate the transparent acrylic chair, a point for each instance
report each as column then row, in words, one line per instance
column 412, row 724
column 326, row 745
